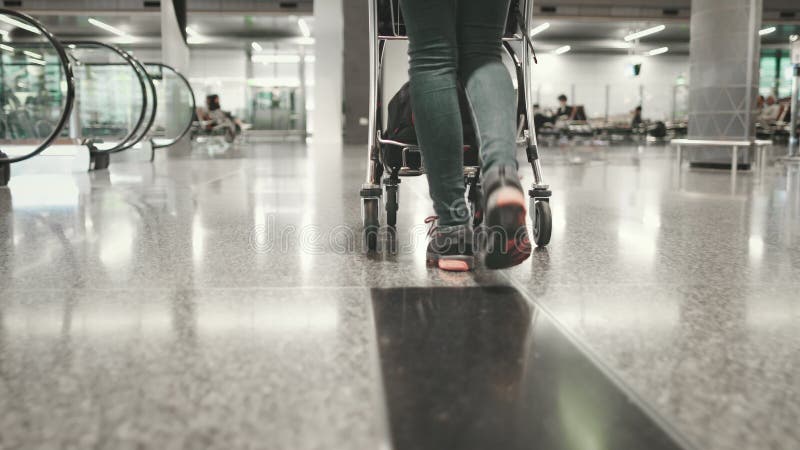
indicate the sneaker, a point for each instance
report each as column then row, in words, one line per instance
column 507, row 241
column 450, row 248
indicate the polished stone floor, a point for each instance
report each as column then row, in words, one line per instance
column 222, row 299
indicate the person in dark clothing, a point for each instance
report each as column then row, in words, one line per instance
column 564, row 110
column 636, row 122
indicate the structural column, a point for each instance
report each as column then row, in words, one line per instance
column 328, row 71
column 175, row 53
column 356, row 60
column 724, row 58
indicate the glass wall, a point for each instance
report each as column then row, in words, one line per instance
column 269, row 88
column 775, row 75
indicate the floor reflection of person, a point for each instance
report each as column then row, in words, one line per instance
column 452, row 361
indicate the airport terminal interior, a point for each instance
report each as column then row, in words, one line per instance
column 217, row 232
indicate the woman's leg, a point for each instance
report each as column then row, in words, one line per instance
column 481, row 24
column 433, row 59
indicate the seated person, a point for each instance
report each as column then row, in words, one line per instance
column 215, row 118
column 564, row 112
column 579, row 113
column 770, row 112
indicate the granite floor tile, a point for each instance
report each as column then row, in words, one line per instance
column 214, row 368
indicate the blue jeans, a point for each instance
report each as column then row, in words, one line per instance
column 452, row 41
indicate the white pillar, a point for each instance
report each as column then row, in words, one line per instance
column 174, row 51
column 328, row 70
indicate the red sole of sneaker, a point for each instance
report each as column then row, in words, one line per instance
column 509, row 197
column 453, row 265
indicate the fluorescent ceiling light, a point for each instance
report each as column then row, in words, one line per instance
column 18, row 24
column 72, row 46
column 643, row 33
column 7, row 48
column 305, row 41
column 32, row 54
column 562, row 50
column 191, row 32
column 539, row 29
column 304, row 27
column 196, row 40
column 256, row 46
column 767, row 31
column 106, row 26
column 620, row 44
column 37, row 61
column 658, row 51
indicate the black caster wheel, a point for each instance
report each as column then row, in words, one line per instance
column 392, row 205
column 476, row 206
column 542, row 222
column 370, row 213
column 100, row 161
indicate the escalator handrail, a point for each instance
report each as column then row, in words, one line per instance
column 142, row 72
column 66, row 66
column 128, row 59
column 194, row 104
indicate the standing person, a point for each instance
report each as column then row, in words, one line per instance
column 452, row 41
column 636, row 121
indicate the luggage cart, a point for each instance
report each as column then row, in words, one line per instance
column 388, row 160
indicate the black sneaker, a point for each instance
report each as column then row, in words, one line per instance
column 507, row 241
column 450, row 248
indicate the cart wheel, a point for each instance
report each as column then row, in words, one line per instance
column 542, row 223
column 100, row 160
column 370, row 212
column 476, row 205
column 392, row 205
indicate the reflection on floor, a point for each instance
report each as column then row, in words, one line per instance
column 222, row 300
column 479, row 368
